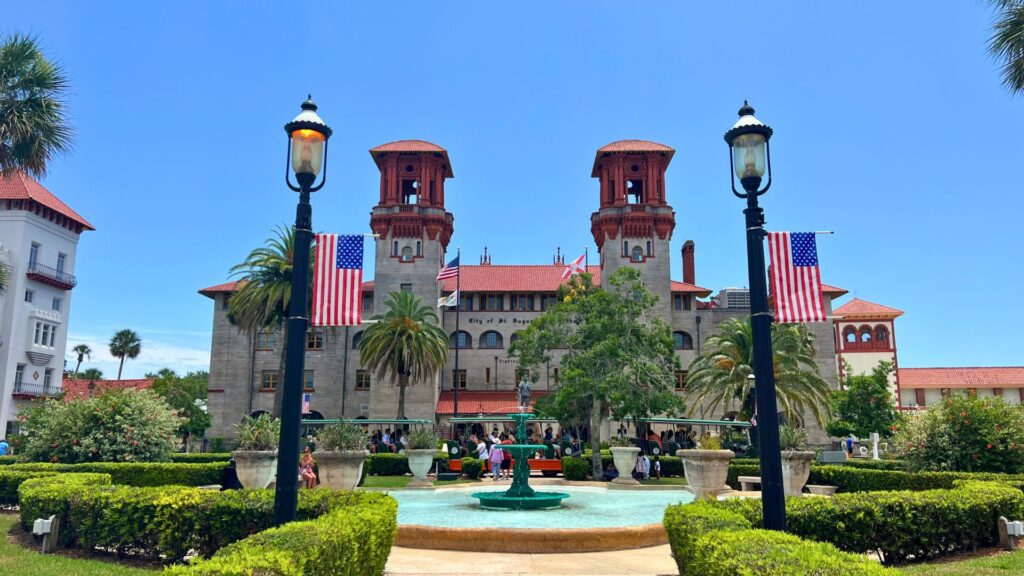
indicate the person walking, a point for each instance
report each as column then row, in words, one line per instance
column 5, row 448
column 497, row 456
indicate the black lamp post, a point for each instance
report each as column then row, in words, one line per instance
column 750, row 157
column 307, row 154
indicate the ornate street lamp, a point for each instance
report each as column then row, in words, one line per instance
column 307, row 155
column 750, row 160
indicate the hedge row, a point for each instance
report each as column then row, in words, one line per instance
column 8, row 460
column 138, row 473
column 10, row 480
column 855, row 479
column 201, row 457
column 898, row 525
column 852, row 463
column 710, row 541
column 168, row 521
column 579, row 468
column 398, row 464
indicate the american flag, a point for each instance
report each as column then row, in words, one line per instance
column 306, row 398
column 796, row 280
column 449, row 271
column 338, row 280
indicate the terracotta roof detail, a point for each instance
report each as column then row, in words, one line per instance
column 833, row 291
column 16, row 185
column 473, row 402
column 74, row 389
column 412, row 147
column 979, row 377
column 631, row 147
column 684, row 287
column 858, row 309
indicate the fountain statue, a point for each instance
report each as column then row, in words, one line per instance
column 520, row 496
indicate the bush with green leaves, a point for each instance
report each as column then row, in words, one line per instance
column 860, row 477
column 387, row 464
column 472, row 468
column 865, row 404
column 792, row 438
column 966, row 434
column 8, row 460
column 138, row 473
column 200, row 457
column 344, row 436
column 115, row 426
column 576, row 468
column 422, row 438
column 261, row 433
column 619, row 442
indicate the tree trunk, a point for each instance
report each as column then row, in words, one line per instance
column 595, row 439
column 77, row 366
column 119, row 367
column 403, row 381
column 279, row 391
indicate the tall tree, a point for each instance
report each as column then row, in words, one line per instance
column 718, row 376
column 865, row 404
column 616, row 354
column 82, row 351
column 91, row 374
column 187, row 395
column 262, row 301
column 1007, row 42
column 404, row 345
column 33, row 125
column 125, row 344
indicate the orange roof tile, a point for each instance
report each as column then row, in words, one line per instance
column 833, row 291
column 678, row 286
column 412, row 147
column 858, row 309
column 74, row 389
column 236, row 285
column 472, row 402
column 16, row 185
column 991, row 377
column 630, row 146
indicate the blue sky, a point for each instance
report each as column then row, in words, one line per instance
column 891, row 128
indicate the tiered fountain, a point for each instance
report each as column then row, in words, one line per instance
column 520, row 496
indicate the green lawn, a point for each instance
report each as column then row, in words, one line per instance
column 999, row 565
column 17, row 561
column 680, row 481
column 403, row 481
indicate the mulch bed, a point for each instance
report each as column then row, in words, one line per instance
column 20, row 537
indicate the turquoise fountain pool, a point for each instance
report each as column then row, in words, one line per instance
column 587, row 507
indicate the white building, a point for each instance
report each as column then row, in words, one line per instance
column 38, row 240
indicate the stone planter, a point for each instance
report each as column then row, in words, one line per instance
column 420, row 462
column 706, row 470
column 341, row 470
column 256, row 468
column 625, row 459
column 796, row 469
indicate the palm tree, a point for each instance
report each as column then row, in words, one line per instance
column 33, row 126
column 718, row 376
column 91, row 374
column 405, row 344
column 125, row 344
column 1007, row 42
column 83, row 351
column 262, row 302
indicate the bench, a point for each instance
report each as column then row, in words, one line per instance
column 822, row 490
column 832, row 457
column 747, row 482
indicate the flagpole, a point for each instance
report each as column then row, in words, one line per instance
column 586, row 259
column 458, row 298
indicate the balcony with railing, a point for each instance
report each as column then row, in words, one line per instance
column 32, row 390
column 51, row 276
column 869, row 346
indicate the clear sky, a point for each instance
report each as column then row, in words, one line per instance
column 891, row 128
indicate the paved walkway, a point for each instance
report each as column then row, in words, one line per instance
column 654, row 561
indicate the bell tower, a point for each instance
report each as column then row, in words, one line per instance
column 414, row 230
column 634, row 224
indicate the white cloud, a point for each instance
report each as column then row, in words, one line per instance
column 156, row 354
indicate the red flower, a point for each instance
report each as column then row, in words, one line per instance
column 989, row 446
column 962, row 414
column 53, row 458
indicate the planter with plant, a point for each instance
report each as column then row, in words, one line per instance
column 340, row 455
column 796, row 459
column 420, row 450
column 256, row 457
column 706, row 467
column 623, row 455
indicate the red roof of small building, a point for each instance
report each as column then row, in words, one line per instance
column 412, row 147
column 472, row 402
column 236, row 285
column 858, row 309
column 991, row 377
column 833, row 291
column 631, row 146
column 16, row 185
column 74, row 389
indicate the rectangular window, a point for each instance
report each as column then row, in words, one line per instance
column 45, row 334
column 490, row 340
column 461, row 340
column 362, row 379
column 465, row 302
column 268, row 380
column 555, row 374
column 29, row 295
column 487, row 375
column 225, row 302
column 681, row 379
column 367, row 301
column 19, row 376
column 495, row 302
column 687, row 302
column 56, row 304
column 459, row 377
column 265, row 340
column 406, row 287
column 62, row 259
column 314, row 339
column 677, row 301
column 548, row 301
column 522, row 302
column 47, row 380
column 33, row 255
column 307, row 380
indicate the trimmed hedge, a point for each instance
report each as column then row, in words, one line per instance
column 387, row 464
column 4, row 460
column 10, row 480
column 200, row 457
column 472, row 468
column 138, row 473
column 575, row 468
column 52, row 495
column 685, row 524
column 862, row 479
column 900, row 524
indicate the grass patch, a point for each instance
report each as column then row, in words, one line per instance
column 665, row 482
column 403, row 481
column 996, row 565
column 18, row 561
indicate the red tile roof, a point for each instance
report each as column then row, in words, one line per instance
column 473, row 402
column 16, row 185
column 858, row 309
column 532, row 278
column 992, row 377
column 630, row 146
column 74, row 389
column 236, row 285
column 833, row 291
column 412, row 147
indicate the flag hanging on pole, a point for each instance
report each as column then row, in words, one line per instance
column 449, row 300
column 306, row 398
column 338, row 280
column 795, row 277
column 574, row 267
column 449, row 271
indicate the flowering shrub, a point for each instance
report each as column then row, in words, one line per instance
column 964, row 433
column 116, row 426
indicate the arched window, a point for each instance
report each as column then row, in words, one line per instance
column 355, row 340
column 461, row 339
column 258, row 413
column 512, row 339
column 491, row 339
column 407, row 254
column 682, row 340
column 850, row 334
column 881, row 333
column 638, row 254
column 865, row 334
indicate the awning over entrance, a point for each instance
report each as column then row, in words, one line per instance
column 473, row 402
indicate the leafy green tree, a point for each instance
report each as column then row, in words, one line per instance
column 91, row 374
column 865, row 405
column 187, row 395
column 262, row 301
column 404, row 345
column 718, row 376
column 1007, row 42
column 616, row 354
column 33, row 124
column 125, row 344
column 82, row 351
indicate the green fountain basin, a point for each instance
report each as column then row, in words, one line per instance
column 535, row 501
